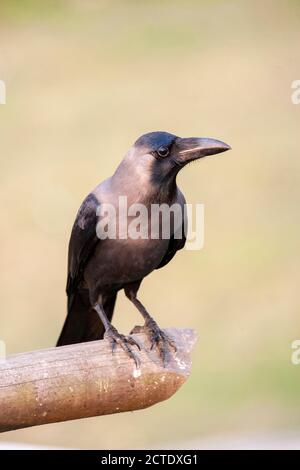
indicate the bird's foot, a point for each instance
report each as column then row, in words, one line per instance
column 160, row 339
column 125, row 342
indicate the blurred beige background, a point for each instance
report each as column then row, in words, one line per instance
column 84, row 79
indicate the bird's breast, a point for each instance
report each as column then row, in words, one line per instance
column 123, row 261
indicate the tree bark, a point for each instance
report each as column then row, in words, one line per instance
column 84, row 380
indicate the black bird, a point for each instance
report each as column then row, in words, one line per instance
column 99, row 268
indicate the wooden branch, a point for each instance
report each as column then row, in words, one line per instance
column 84, row 380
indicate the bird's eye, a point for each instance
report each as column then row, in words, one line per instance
column 163, row 151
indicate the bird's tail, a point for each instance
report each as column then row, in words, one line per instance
column 83, row 323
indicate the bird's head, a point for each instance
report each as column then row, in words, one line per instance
column 155, row 159
column 162, row 155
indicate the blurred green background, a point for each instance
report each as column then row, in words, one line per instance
column 84, row 79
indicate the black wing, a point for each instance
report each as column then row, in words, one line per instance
column 174, row 246
column 82, row 322
column 83, row 241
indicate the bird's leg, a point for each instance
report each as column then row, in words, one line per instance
column 116, row 338
column 158, row 337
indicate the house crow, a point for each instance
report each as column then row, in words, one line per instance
column 99, row 267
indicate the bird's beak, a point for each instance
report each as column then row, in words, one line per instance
column 192, row 148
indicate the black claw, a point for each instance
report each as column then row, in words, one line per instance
column 113, row 346
column 133, row 342
column 161, row 341
column 124, row 341
column 136, row 359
